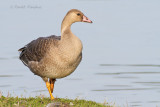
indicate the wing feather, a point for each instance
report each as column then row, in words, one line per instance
column 36, row 49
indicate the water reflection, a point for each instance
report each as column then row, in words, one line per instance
column 127, row 89
column 1, row 76
column 119, row 73
column 148, row 83
column 127, row 77
column 5, row 85
column 1, row 58
column 5, row 58
column 153, row 101
column 136, row 65
column 117, row 85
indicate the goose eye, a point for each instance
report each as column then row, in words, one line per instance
column 78, row 14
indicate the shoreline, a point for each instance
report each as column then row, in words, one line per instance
column 46, row 102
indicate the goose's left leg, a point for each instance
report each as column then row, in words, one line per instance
column 48, row 85
column 52, row 81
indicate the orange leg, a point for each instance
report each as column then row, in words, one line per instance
column 49, row 89
column 52, row 81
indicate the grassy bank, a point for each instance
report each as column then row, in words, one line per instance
column 43, row 102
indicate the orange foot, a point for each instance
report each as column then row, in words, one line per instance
column 49, row 89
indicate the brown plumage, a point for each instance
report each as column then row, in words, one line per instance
column 36, row 49
column 54, row 56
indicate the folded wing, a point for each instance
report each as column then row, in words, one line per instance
column 36, row 49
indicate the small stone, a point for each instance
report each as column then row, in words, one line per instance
column 55, row 104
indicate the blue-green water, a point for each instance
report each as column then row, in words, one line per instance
column 121, row 56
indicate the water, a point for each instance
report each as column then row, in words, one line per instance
column 121, row 56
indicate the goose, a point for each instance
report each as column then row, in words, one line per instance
column 55, row 57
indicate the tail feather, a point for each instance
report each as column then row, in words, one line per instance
column 22, row 56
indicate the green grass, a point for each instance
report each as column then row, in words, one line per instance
column 43, row 102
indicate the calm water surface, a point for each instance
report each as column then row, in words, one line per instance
column 121, row 56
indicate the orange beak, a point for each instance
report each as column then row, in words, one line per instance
column 85, row 19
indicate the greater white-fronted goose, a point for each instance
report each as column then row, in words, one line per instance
column 55, row 56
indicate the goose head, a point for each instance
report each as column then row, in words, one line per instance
column 77, row 16
column 73, row 16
